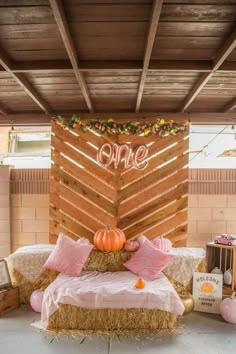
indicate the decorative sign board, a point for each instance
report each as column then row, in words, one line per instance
column 207, row 292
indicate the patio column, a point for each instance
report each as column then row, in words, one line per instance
column 5, row 234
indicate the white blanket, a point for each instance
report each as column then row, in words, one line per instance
column 114, row 290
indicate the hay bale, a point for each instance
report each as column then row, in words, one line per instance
column 107, row 261
column 111, row 321
column 26, row 287
column 97, row 261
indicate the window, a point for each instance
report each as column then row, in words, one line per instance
column 212, row 146
column 28, row 147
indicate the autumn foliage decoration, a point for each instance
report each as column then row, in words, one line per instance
column 159, row 127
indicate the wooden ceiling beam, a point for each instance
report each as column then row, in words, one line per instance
column 3, row 110
column 60, row 18
column 34, row 119
column 24, row 83
column 181, row 65
column 225, row 51
column 46, row 66
column 154, row 20
column 51, row 66
column 231, row 105
column 221, row 56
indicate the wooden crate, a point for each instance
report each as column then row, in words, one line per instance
column 9, row 300
column 223, row 257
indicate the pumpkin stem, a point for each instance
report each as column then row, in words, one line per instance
column 233, row 295
column 108, row 227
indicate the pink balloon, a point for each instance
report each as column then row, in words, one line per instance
column 36, row 300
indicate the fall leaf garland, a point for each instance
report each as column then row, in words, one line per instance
column 159, row 127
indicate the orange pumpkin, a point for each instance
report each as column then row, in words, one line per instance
column 140, row 284
column 109, row 240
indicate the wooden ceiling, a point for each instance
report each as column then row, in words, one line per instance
column 91, row 56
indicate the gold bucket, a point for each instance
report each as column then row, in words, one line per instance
column 188, row 301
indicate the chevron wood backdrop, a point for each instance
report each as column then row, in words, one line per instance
column 85, row 197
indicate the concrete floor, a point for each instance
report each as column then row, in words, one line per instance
column 199, row 334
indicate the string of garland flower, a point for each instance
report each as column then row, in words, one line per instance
column 159, row 127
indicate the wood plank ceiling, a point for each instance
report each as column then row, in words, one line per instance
column 85, row 56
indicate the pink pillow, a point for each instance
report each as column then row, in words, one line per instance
column 69, row 256
column 148, row 261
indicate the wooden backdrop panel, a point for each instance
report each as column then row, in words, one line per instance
column 85, row 196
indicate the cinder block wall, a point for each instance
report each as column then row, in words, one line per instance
column 4, row 139
column 208, row 216
column 29, row 219
column 212, row 207
column 29, row 207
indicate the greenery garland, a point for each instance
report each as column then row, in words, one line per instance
column 159, row 127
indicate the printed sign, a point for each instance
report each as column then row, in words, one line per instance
column 207, row 292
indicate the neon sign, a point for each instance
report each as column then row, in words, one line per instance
column 109, row 154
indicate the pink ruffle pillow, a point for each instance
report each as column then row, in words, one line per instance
column 69, row 256
column 148, row 261
column 162, row 243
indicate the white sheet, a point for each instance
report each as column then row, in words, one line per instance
column 109, row 290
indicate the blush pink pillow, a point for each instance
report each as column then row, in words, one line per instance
column 69, row 256
column 148, row 261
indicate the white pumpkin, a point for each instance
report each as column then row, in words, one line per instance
column 141, row 239
column 228, row 277
column 216, row 270
column 162, row 243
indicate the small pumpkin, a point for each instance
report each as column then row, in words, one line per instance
column 109, row 240
column 131, row 245
column 140, row 284
column 162, row 243
column 228, row 309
